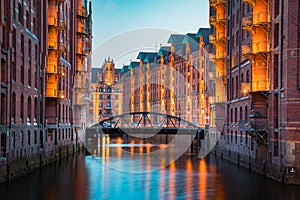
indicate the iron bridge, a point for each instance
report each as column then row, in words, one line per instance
column 147, row 123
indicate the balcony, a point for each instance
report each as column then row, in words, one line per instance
column 220, row 55
column 81, row 68
column 246, row 49
column 81, row 29
column 256, row 48
column 260, row 47
column 261, row 85
column 256, row 127
column 215, row 3
column 52, row 44
column 82, row 12
column 52, row 68
column 260, row 19
column 216, row 20
column 54, row 22
column 81, row 51
column 52, row 92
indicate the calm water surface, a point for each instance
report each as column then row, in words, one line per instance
column 89, row 177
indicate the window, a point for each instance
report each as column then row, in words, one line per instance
column 14, row 105
column 108, row 104
column 108, row 89
column 22, row 109
column 28, row 137
column 35, row 137
column 13, row 140
column 100, row 89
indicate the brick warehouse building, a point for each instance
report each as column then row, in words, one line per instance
column 171, row 80
column 256, row 53
column 42, row 53
column 106, row 92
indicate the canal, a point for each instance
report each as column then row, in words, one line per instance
column 113, row 176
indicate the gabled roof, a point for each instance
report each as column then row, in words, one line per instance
column 124, row 69
column 192, row 40
column 164, row 51
column 133, row 64
column 175, row 38
column 204, row 32
column 147, row 56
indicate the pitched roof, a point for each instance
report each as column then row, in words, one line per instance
column 192, row 40
column 147, row 56
column 133, row 64
column 204, row 32
column 124, row 69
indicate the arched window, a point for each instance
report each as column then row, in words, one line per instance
column 41, row 139
column 246, row 113
column 108, row 104
column 108, row 89
column 22, row 139
column 22, row 109
column 35, row 137
column 3, row 109
column 35, row 108
column 13, row 140
column 241, row 113
column 29, row 109
column 117, row 89
column 100, row 89
column 29, row 138
column 14, row 106
column 3, row 144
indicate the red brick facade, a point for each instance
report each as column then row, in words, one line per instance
column 31, row 123
column 261, row 124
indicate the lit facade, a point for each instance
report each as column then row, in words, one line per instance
column 168, row 81
column 106, row 92
column 38, row 66
column 258, row 115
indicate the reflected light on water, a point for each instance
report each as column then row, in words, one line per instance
column 202, row 179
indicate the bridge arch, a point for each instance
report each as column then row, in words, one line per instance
column 145, row 119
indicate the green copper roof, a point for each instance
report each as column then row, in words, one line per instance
column 133, row 65
column 175, row 38
column 185, row 40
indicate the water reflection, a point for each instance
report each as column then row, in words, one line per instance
column 86, row 177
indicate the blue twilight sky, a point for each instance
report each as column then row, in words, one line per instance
column 122, row 28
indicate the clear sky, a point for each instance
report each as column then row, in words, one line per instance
column 122, row 28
